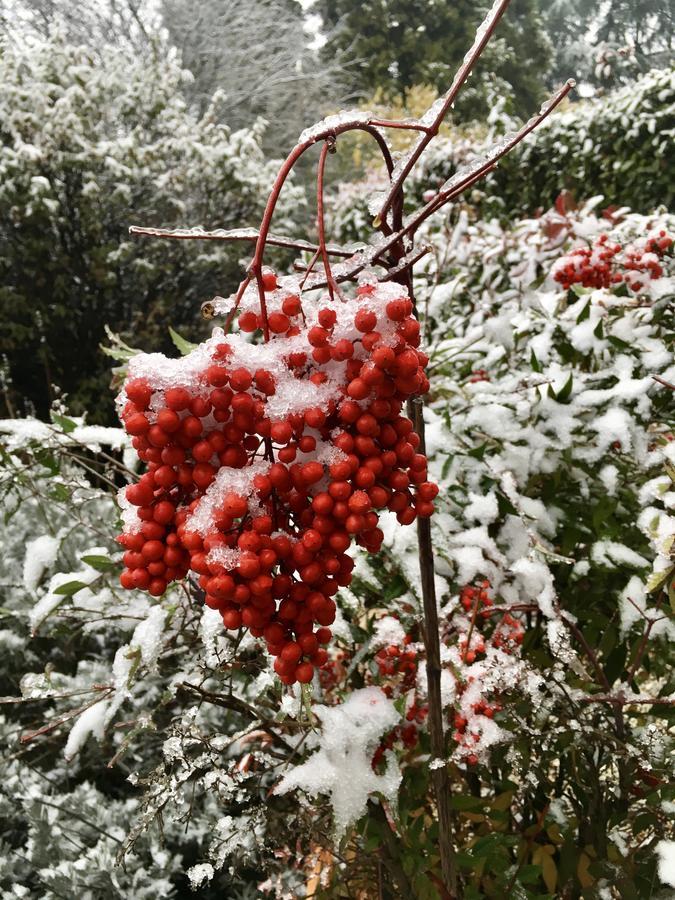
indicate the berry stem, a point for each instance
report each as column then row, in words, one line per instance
column 328, row 147
column 234, row 234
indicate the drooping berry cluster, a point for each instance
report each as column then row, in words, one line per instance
column 506, row 634
column 264, row 462
column 603, row 265
column 398, row 660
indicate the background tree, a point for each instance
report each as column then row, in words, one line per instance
column 396, row 44
column 89, row 145
column 607, row 43
column 258, row 54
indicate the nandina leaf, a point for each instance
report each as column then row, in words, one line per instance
column 65, row 424
column 181, row 343
column 70, row 588
column 100, row 563
column 565, row 391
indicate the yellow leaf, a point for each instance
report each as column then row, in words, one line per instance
column 584, row 876
column 503, row 801
column 473, row 817
column 553, row 831
column 549, row 873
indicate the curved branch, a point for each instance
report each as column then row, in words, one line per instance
column 315, row 135
column 328, row 147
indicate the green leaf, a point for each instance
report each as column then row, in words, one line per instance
column 119, row 351
column 70, row 588
column 100, row 563
column 585, row 312
column 181, row 343
column 466, row 802
column 534, row 362
column 657, row 579
column 59, row 492
column 478, row 452
column 395, row 588
column 565, row 391
column 66, row 425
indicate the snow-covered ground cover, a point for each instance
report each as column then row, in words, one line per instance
column 549, row 431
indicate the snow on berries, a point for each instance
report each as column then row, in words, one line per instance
column 265, row 462
column 605, row 264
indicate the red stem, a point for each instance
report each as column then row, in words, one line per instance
column 446, row 196
column 328, row 147
column 286, row 169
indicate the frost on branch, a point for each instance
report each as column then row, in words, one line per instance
column 342, row 766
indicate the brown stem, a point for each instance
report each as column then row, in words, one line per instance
column 406, row 263
column 663, row 382
column 649, row 624
column 627, row 701
column 392, row 850
column 407, row 124
column 236, row 705
column 432, row 644
column 328, row 147
column 61, row 720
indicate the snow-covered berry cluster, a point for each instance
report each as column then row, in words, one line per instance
column 605, row 264
column 397, row 667
column 264, row 462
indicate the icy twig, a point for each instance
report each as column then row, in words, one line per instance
column 235, row 234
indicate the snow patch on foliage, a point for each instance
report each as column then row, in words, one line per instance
column 40, row 555
column 665, row 851
column 341, row 766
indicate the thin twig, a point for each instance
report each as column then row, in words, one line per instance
column 664, row 382
column 235, row 234
column 649, row 624
column 236, row 705
column 430, row 634
column 61, row 720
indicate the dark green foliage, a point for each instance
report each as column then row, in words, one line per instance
column 88, row 147
column 397, row 44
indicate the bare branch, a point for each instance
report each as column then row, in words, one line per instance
column 483, row 35
column 235, row 234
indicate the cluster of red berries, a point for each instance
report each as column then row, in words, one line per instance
column 397, row 664
column 394, row 661
column 334, row 671
column 408, row 735
column 470, row 596
column 603, row 264
column 508, row 632
column 261, row 474
column 464, row 736
column 479, row 375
